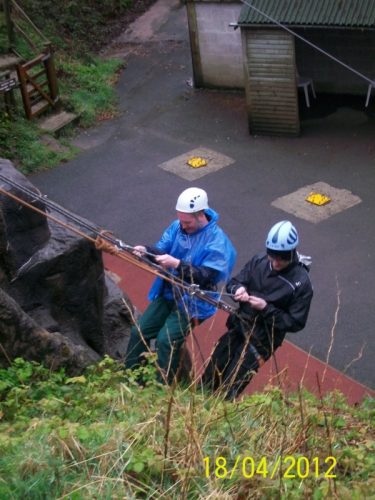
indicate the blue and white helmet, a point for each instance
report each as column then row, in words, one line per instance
column 283, row 237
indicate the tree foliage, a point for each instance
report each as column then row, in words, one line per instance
column 88, row 22
column 77, row 30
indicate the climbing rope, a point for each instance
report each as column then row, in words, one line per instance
column 104, row 241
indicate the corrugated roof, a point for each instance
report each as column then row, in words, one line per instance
column 345, row 13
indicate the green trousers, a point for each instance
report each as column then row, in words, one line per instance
column 165, row 323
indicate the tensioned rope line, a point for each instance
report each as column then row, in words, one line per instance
column 66, row 225
column 124, row 252
column 102, row 234
column 119, row 248
column 316, row 47
column 58, row 208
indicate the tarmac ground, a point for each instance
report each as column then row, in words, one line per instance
column 128, row 175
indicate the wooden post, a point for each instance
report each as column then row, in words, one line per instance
column 9, row 23
column 22, row 78
column 51, row 73
column 7, row 84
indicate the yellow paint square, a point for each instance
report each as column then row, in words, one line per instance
column 318, row 199
column 197, row 162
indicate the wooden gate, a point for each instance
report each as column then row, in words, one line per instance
column 38, row 84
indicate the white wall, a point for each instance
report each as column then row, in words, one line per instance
column 220, row 45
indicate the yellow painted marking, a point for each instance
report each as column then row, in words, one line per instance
column 197, row 162
column 318, row 199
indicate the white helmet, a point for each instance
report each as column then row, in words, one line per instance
column 192, row 200
column 282, row 237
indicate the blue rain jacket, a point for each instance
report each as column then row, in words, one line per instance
column 210, row 247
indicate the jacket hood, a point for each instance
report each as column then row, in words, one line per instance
column 212, row 218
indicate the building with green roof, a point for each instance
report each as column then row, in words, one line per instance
column 273, row 53
column 328, row 13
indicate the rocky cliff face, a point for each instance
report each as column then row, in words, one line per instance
column 57, row 305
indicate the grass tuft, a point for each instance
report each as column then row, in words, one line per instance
column 103, row 435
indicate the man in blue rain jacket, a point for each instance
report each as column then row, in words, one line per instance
column 195, row 249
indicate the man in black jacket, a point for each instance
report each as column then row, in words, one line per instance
column 274, row 294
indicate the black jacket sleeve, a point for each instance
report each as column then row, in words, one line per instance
column 203, row 276
column 154, row 251
column 241, row 279
column 287, row 306
column 294, row 318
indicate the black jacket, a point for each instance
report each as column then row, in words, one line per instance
column 288, row 294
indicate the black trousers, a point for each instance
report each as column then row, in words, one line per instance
column 232, row 365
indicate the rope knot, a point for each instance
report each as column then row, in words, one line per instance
column 105, row 246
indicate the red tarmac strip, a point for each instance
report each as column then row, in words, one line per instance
column 294, row 366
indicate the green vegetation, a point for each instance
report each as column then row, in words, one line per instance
column 86, row 81
column 101, row 435
column 20, row 141
column 82, row 24
column 3, row 34
column 88, row 87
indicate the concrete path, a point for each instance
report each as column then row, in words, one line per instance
column 127, row 179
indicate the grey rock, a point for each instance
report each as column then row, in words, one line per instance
column 60, row 290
